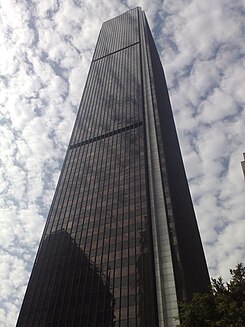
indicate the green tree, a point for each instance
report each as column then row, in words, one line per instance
column 222, row 306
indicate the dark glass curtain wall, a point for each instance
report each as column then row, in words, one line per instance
column 94, row 266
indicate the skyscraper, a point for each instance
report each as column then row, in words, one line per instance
column 121, row 243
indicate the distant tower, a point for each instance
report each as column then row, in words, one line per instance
column 243, row 165
column 121, row 243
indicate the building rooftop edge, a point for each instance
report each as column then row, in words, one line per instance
column 138, row 7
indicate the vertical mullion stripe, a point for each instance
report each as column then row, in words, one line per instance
column 105, row 142
column 121, row 190
column 93, row 146
column 100, row 94
column 113, row 153
column 111, row 63
column 117, row 186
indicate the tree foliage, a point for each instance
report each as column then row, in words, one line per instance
column 222, row 306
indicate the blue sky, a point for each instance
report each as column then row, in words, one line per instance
column 46, row 48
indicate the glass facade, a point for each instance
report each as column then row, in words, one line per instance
column 96, row 262
column 94, row 266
